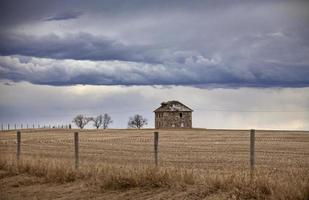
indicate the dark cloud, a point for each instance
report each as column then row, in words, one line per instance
column 81, row 46
column 207, row 74
column 252, row 43
column 15, row 12
column 7, row 83
column 64, row 16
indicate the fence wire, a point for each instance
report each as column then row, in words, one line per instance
column 196, row 148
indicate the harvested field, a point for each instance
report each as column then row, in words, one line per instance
column 194, row 164
column 197, row 148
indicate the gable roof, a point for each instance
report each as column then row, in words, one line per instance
column 171, row 106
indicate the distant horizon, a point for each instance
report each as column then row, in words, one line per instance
column 161, row 129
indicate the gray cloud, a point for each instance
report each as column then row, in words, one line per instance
column 15, row 12
column 201, row 43
column 194, row 71
column 81, row 46
column 64, row 16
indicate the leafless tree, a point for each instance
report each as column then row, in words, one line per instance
column 137, row 121
column 106, row 120
column 98, row 121
column 81, row 121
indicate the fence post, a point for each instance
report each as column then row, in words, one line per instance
column 252, row 150
column 76, row 150
column 18, row 145
column 8, row 126
column 156, row 143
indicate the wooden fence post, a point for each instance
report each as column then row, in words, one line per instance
column 156, row 144
column 252, row 150
column 76, row 150
column 18, row 145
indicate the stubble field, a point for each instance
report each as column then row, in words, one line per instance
column 187, row 158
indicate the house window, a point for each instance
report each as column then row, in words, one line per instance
column 180, row 115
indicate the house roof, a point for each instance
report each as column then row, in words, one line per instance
column 171, row 106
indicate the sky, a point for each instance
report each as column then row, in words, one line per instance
column 237, row 64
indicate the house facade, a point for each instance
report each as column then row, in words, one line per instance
column 173, row 114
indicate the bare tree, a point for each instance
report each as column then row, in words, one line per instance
column 137, row 121
column 81, row 121
column 106, row 120
column 98, row 121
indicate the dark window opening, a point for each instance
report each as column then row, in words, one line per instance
column 180, row 114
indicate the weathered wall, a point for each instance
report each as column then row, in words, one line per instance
column 173, row 119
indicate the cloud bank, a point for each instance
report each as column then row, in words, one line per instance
column 70, row 72
column 204, row 43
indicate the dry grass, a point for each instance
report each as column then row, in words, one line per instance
column 203, row 163
column 266, row 184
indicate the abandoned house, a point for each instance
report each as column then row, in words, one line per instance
column 173, row 114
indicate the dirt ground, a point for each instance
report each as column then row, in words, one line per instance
column 16, row 187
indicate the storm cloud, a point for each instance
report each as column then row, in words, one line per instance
column 64, row 16
column 69, row 72
column 201, row 43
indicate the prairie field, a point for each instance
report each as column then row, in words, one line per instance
column 119, row 164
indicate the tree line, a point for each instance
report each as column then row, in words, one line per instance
column 136, row 121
